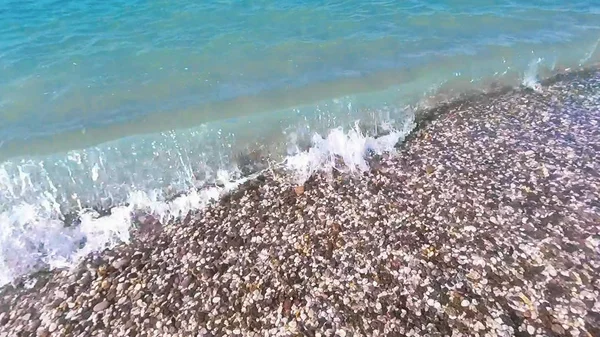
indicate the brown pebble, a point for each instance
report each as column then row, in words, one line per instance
column 558, row 329
column 287, row 307
column 299, row 190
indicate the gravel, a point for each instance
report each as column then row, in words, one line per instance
column 485, row 222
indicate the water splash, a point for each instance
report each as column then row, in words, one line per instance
column 530, row 78
column 344, row 151
column 35, row 235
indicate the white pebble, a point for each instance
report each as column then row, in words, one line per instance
column 551, row 271
column 465, row 303
column 530, row 329
column 216, row 300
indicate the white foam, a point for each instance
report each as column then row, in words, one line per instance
column 351, row 148
column 530, row 78
column 34, row 235
column 589, row 54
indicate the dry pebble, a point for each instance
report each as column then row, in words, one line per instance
column 484, row 222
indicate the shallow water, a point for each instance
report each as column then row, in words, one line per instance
column 130, row 103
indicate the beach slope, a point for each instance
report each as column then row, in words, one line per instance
column 485, row 222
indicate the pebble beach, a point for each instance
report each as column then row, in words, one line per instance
column 484, row 222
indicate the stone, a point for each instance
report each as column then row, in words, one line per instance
column 120, row 263
column 101, row 306
column 186, row 282
column 34, row 324
column 299, row 190
column 558, row 329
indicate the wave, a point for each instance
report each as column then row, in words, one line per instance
column 46, row 233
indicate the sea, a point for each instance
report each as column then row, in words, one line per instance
column 119, row 109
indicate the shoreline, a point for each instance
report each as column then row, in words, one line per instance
column 484, row 222
column 253, row 162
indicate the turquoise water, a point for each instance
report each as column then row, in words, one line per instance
column 100, row 100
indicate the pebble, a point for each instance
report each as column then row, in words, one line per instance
column 470, row 229
column 551, row 271
column 558, row 329
column 101, row 306
column 120, row 263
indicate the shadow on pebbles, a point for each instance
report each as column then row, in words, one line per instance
column 486, row 222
